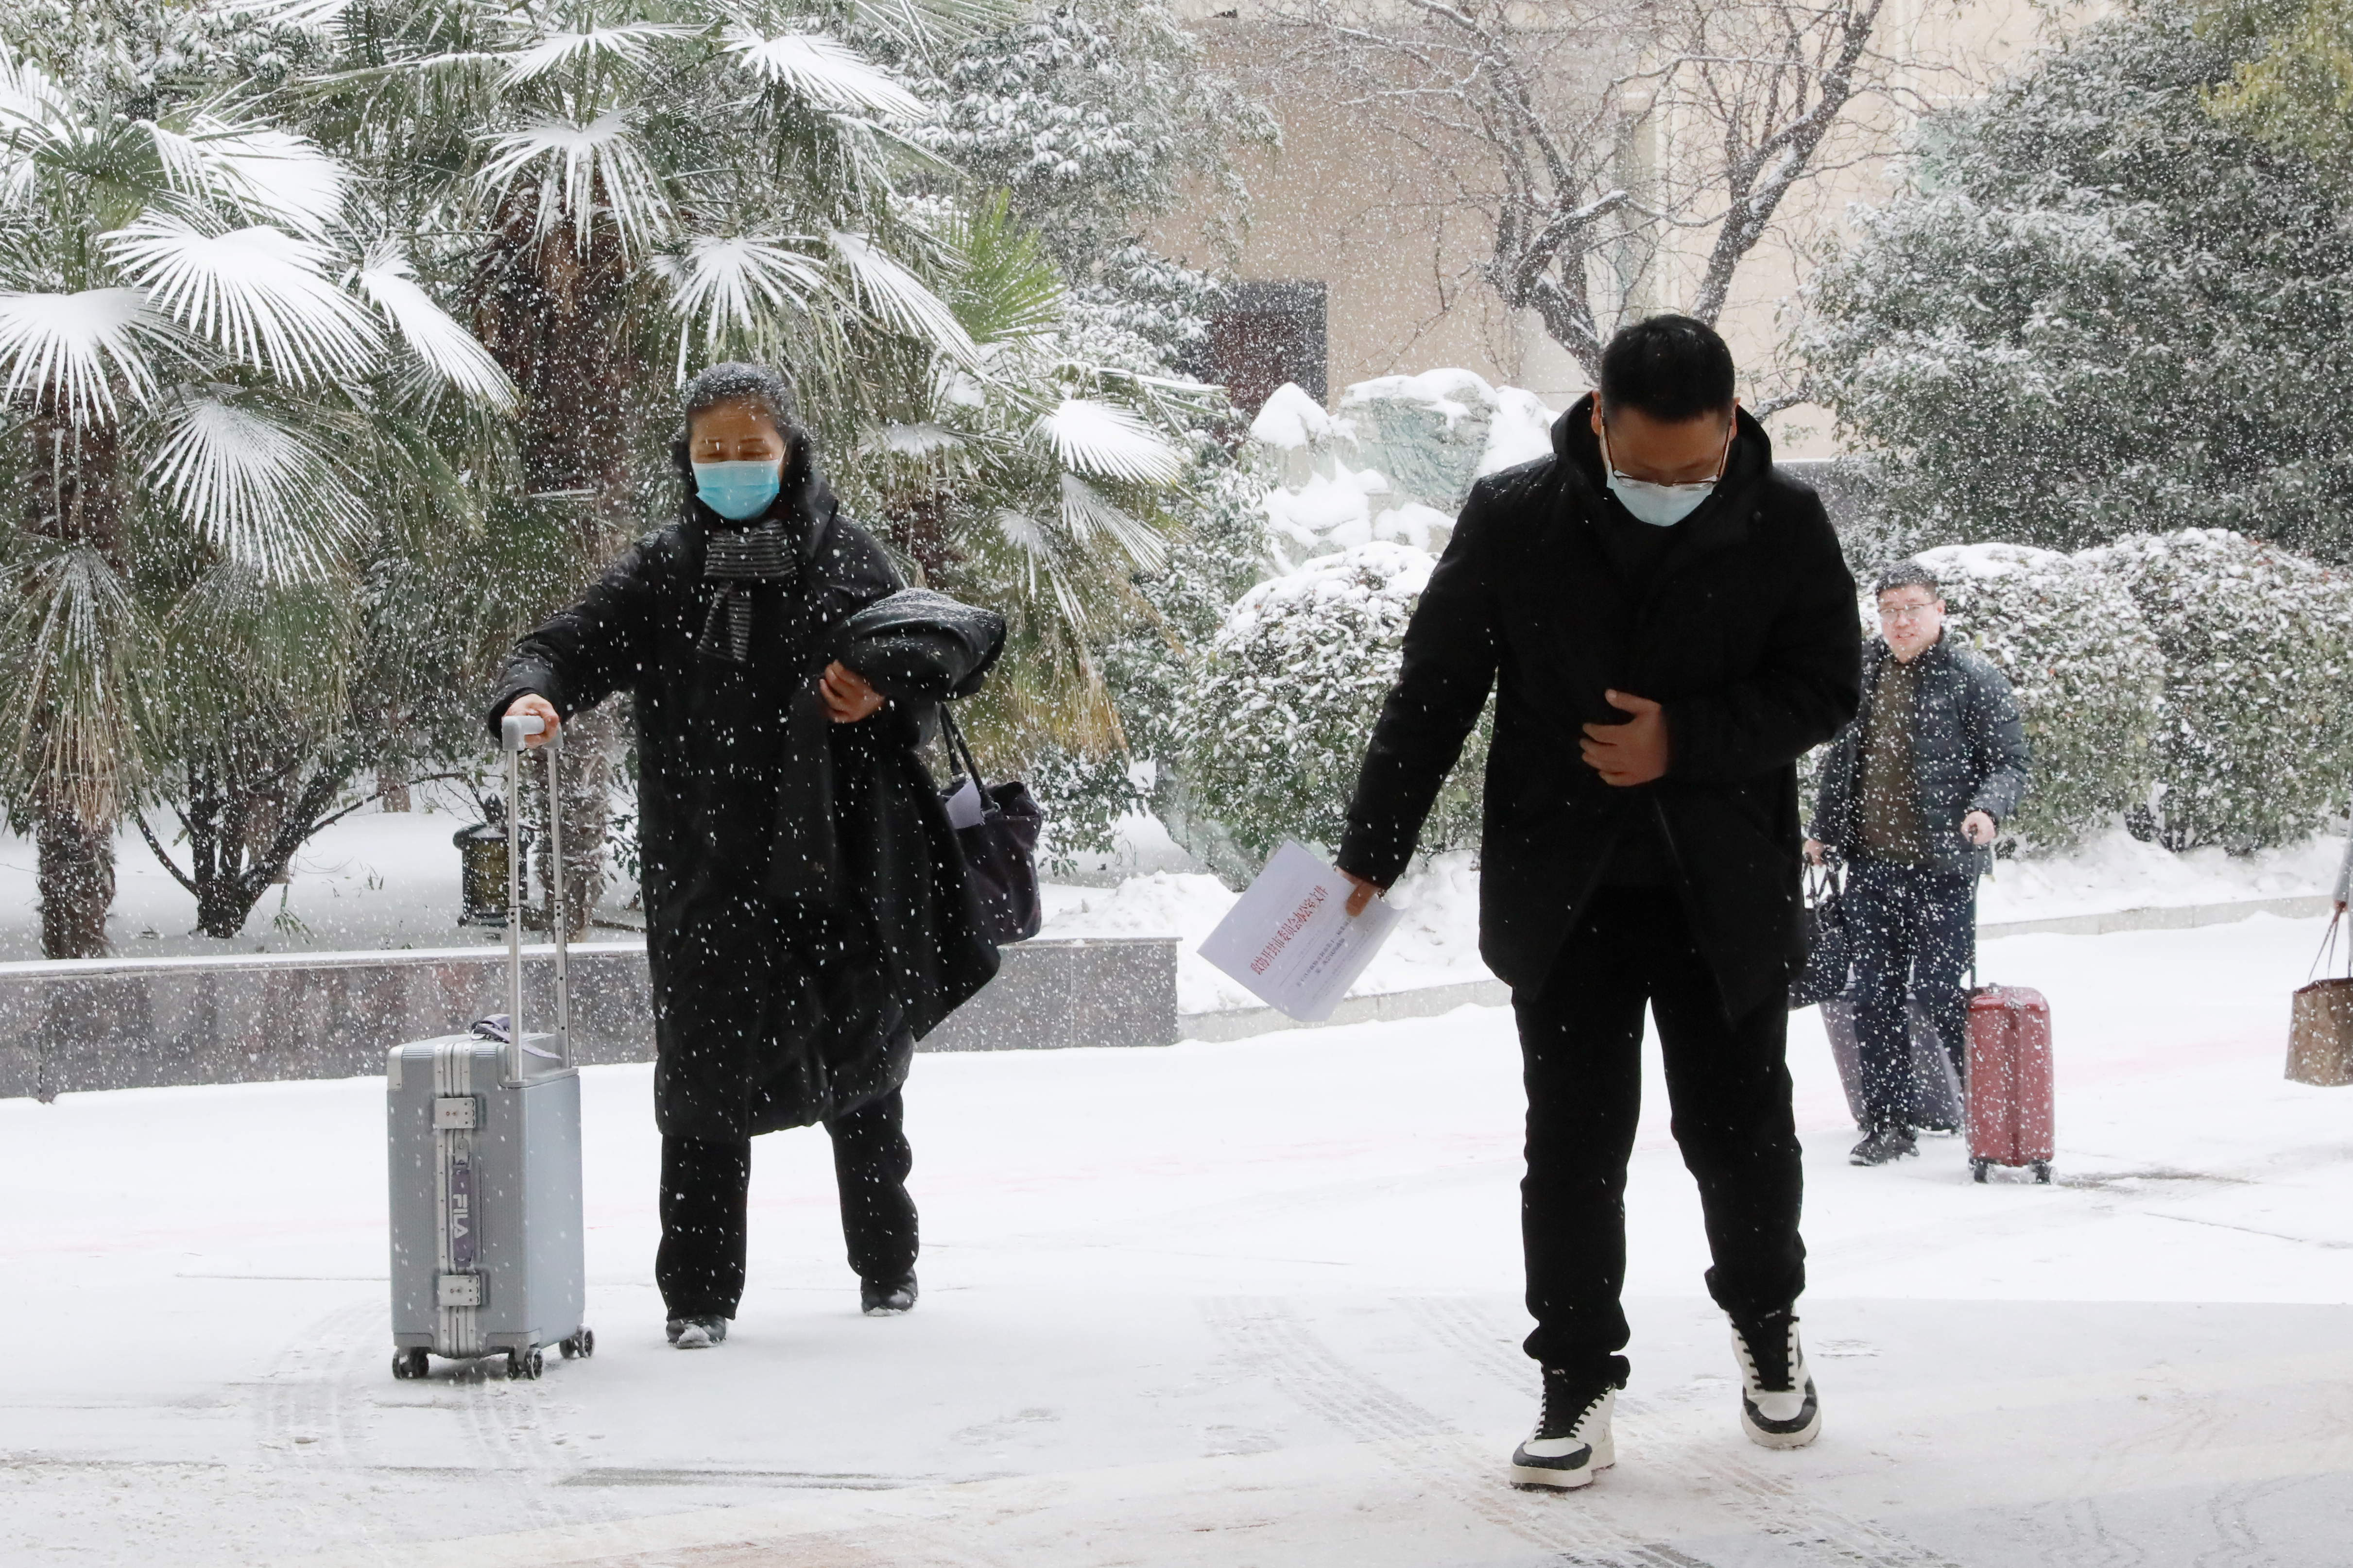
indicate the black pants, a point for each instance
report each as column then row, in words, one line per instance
column 1915, row 935
column 706, row 1182
column 1581, row 1044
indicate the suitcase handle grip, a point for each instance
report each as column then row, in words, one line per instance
column 517, row 728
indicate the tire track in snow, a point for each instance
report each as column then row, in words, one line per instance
column 307, row 1423
column 1768, row 1501
column 1269, row 1337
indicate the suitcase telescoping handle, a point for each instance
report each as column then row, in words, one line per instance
column 513, row 732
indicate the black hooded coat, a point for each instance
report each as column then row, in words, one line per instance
column 1745, row 636
column 808, row 915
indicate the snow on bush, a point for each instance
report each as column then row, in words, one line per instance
column 2256, row 739
column 1275, row 723
column 2085, row 668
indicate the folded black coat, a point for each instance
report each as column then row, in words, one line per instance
column 1746, row 635
column 807, row 913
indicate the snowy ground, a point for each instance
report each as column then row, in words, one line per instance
column 1245, row 1304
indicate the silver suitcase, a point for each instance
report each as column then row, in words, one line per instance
column 487, row 1255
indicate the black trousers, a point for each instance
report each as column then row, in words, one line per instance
column 1581, row 1045
column 1915, row 935
column 706, row 1185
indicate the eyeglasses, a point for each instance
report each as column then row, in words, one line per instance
column 1912, row 612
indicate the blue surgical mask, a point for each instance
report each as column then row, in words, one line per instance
column 1661, row 506
column 738, row 490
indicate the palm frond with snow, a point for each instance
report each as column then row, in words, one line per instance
column 73, row 350
column 901, row 299
column 451, row 353
column 1090, row 515
column 283, row 179
column 741, row 281
column 72, row 645
column 825, row 73
column 1104, row 439
column 582, row 170
column 624, row 46
column 261, row 295
column 270, row 496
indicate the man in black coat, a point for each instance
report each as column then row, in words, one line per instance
column 1913, row 794
column 807, row 913
column 1667, row 624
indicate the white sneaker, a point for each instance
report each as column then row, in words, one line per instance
column 1572, row 1437
column 1777, row 1406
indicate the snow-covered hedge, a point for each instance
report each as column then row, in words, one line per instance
column 2088, row 674
column 2256, row 739
column 1275, row 722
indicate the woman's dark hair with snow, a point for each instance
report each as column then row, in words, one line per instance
column 1906, row 574
column 757, row 384
column 1671, row 368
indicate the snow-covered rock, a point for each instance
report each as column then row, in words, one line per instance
column 1338, row 475
column 1426, row 433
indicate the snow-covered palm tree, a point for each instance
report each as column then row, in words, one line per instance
column 614, row 190
column 1038, row 480
column 201, row 361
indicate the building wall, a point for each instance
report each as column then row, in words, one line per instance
column 1348, row 202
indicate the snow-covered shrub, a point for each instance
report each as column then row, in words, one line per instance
column 2256, row 739
column 1275, row 722
column 2098, row 305
column 2087, row 669
column 1431, row 435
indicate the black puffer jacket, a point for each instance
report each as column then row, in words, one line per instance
column 807, row 913
column 1968, row 753
column 1746, row 636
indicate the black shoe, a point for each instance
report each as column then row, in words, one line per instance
column 876, row 1300
column 696, row 1334
column 1572, row 1437
column 1779, row 1408
column 1891, row 1141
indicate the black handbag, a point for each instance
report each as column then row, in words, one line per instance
column 1000, row 850
column 1824, row 977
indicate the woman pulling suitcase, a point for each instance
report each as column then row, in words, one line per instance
column 807, row 913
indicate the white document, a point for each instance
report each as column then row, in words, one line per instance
column 1290, row 939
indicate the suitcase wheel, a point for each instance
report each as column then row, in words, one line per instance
column 582, row 1344
column 1978, row 1168
column 521, row 1364
column 2043, row 1172
column 410, row 1364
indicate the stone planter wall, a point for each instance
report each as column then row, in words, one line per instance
column 141, row 1023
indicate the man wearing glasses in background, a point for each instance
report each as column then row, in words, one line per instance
column 1913, row 795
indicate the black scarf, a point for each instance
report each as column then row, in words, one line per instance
column 734, row 557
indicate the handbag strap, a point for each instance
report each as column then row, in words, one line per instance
column 2328, row 948
column 958, row 750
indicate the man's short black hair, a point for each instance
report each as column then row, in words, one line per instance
column 1908, row 574
column 1671, row 368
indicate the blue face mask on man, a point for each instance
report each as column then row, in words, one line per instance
column 1661, row 506
column 738, row 491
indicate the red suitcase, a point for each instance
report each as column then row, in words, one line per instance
column 2010, row 1096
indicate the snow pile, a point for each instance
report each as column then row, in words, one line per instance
column 1274, row 723
column 2113, row 870
column 1291, row 419
column 2087, row 672
column 2257, row 738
